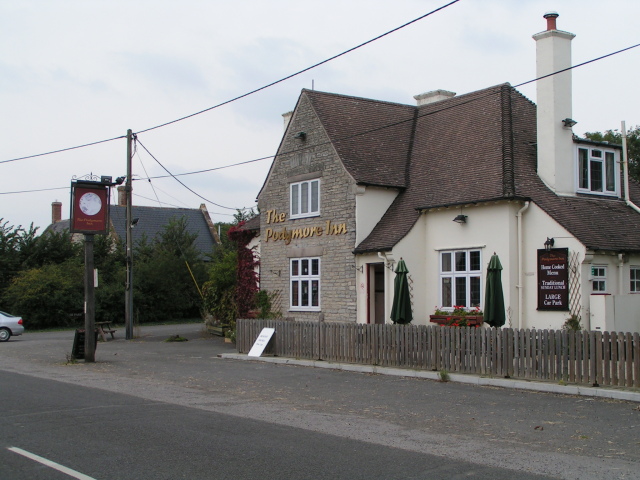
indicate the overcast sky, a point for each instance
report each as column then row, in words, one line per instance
column 75, row 72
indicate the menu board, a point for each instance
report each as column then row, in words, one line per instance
column 553, row 279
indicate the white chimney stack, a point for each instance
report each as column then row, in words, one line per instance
column 555, row 137
column 286, row 117
column 433, row 97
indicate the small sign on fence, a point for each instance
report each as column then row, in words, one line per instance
column 261, row 342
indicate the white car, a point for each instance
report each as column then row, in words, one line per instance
column 9, row 325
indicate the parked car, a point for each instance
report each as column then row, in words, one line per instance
column 9, row 325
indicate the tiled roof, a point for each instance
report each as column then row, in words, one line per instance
column 456, row 159
column 152, row 221
column 472, row 148
column 373, row 138
column 252, row 224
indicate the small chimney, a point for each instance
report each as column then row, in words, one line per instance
column 56, row 211
column 551, row 20
column 122, row 196
column 555, row 137
column 287, row 118
column 433, row 97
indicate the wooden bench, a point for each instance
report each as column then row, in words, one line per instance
column 104, row 328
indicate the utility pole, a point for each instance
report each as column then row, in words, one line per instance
column 129, row 284
column 89, row 301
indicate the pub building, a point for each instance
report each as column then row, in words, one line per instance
column 357, row 184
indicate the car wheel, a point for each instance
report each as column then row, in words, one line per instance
column 4, row 334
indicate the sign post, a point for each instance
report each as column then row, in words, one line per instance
column 90, row 215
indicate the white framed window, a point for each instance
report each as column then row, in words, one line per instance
column 634, row 279
column 598, row 171
column 304, row 282
column 305, row 199
column 460, row 278
column 599, row 279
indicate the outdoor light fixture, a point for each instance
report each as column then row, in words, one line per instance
column 300, row 135
column 569, row 122
column 549, row 243
column 460, row 219
column 119, row 180
column 134, row 222
column 275, row 272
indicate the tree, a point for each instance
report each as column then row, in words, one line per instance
column 47, row 296
column 633, row 146
column 168, row 275
column 15, row 245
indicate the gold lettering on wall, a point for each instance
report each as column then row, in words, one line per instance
column 287, row 235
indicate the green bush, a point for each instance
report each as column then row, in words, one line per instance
column 47, row 296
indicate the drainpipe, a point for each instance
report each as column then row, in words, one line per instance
column 620, row 274
column 519, row 286
column 625, row 169
column 387, row 278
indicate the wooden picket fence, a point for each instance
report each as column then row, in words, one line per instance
column 594, row 358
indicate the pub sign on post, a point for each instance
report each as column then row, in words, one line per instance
column 89, row 207
column 553, row 279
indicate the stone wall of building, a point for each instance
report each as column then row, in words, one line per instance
column 330, row 236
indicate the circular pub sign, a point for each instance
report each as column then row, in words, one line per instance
column 89, row 207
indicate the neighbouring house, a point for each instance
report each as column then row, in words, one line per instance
column 357, row 184
column 149, row 222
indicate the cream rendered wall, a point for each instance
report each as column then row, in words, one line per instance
column 371, row 203
column 413, row 250
column 489, row 228
column 537, row 226
column 362, row 286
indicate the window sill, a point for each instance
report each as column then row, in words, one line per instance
column 297, row 217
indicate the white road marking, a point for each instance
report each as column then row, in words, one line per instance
column 49, row 463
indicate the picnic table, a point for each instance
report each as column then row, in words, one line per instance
column 104, row 328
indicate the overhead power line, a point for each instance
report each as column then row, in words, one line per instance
column 179, row 181
column 344, row 138
column 246, row 94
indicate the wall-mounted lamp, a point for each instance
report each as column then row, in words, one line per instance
column 549, row 243
column 360, row 268
column 300, row 136
column 569, row 122
column 460, row 219
column 275, row 272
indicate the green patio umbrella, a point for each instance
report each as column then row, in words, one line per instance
column 401, row 308
column 494, row 299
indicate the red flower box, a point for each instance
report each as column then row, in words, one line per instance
column 449, row 320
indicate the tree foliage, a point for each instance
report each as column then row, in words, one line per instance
column 42, row 278
column 49, row 295
column 167, row 275
column 633, row 146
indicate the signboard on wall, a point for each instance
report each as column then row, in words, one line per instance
column 553, row 279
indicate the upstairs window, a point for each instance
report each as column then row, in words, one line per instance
column 599, row 282
column 597, row 171
column 305, row 199
column 460, row 273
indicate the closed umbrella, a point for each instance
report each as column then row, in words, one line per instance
column 401, row 308
column 494, row 313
